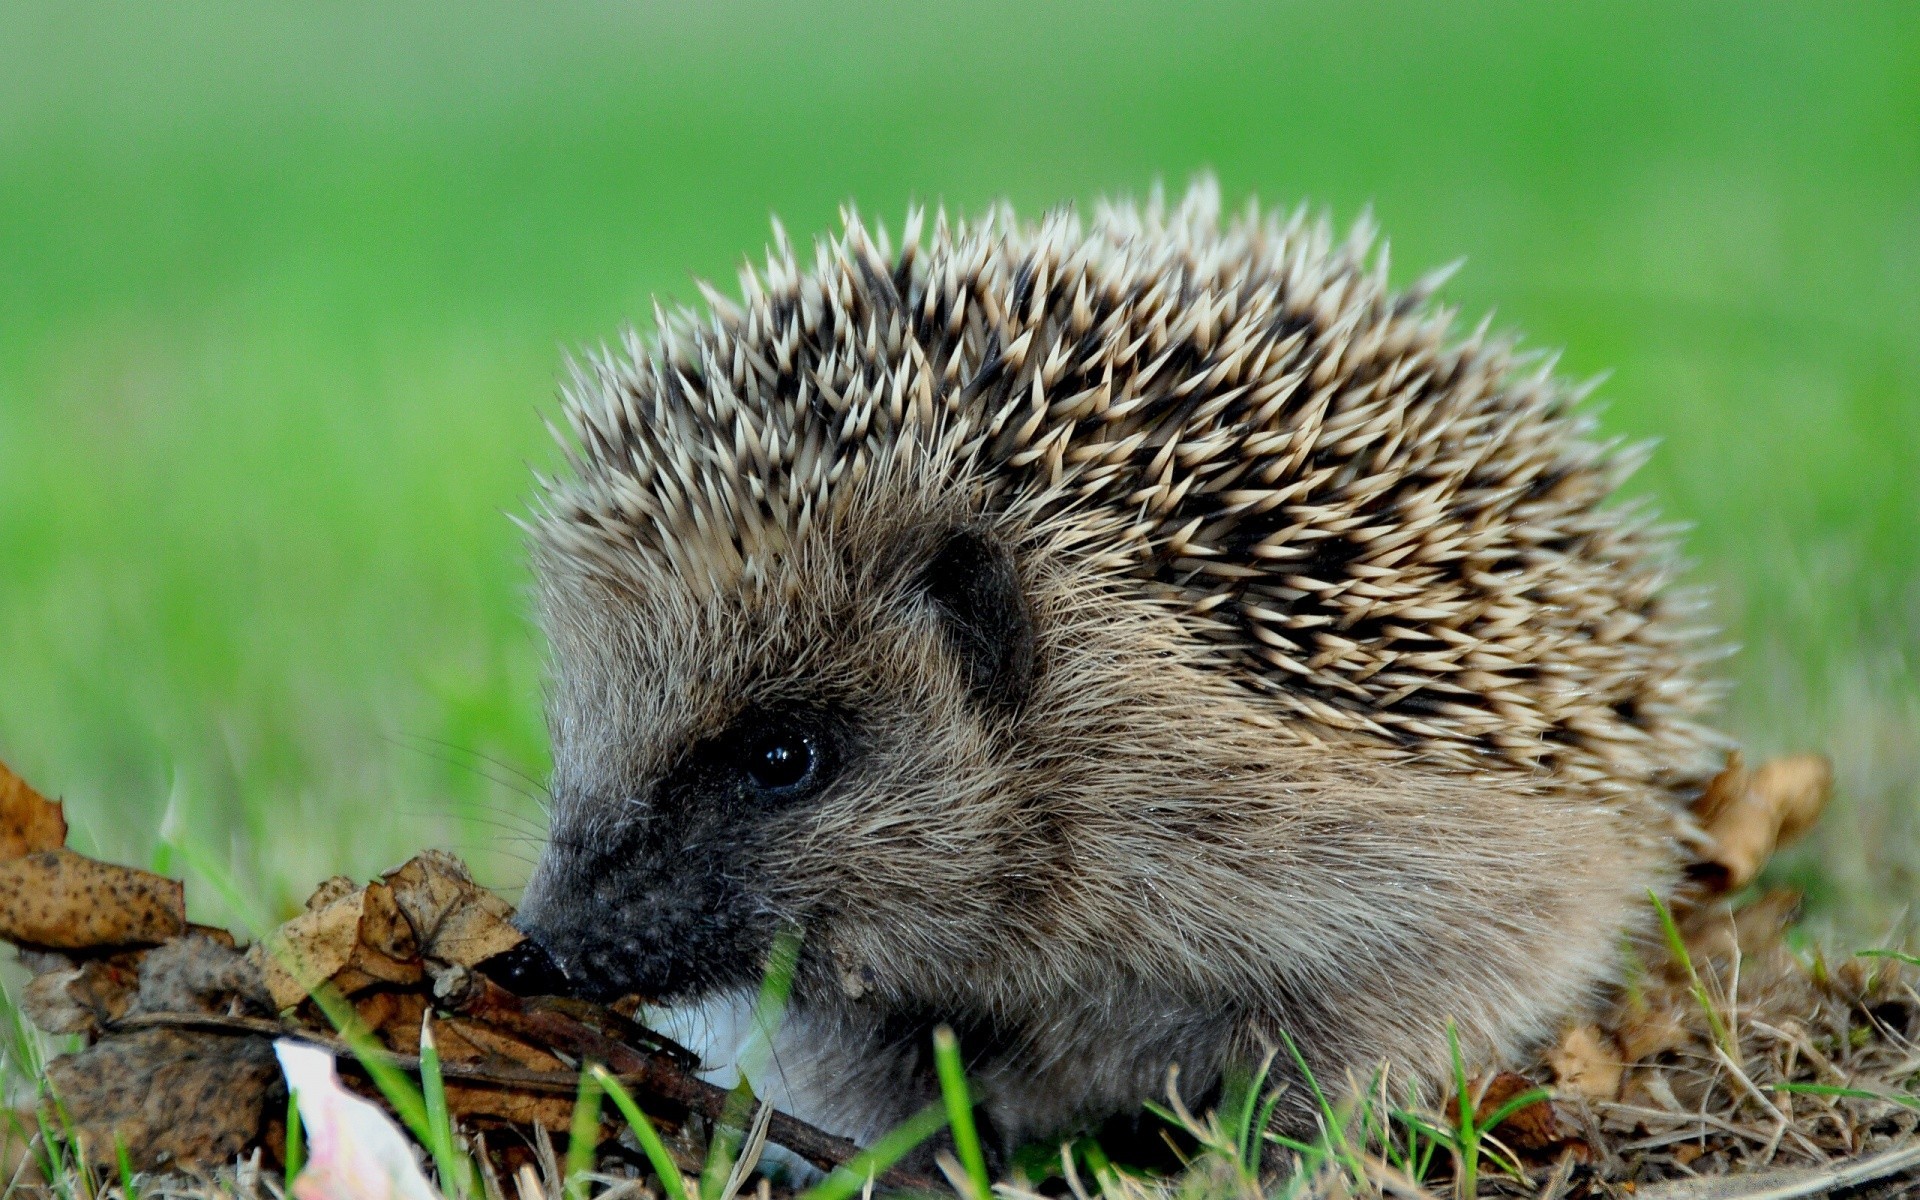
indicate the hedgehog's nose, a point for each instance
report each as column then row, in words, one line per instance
column 528, row 970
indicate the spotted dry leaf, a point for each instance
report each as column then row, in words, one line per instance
column 170, row 1097
column 1747, row 815
column 67, row 901
column 28, row 821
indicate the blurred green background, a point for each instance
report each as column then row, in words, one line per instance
column 284, row 291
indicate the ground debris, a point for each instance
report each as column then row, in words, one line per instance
column 178, row 1072
column 169, row 1097
column 1739, row 1056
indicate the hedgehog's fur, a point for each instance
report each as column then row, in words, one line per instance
column 1211, row 648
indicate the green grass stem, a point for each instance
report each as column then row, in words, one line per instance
column 959, row 1104
column 853, row 1176
column 658, row 1156
column 583, row 1136
column 1677, row 945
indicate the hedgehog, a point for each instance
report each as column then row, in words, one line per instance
column 1135, row 643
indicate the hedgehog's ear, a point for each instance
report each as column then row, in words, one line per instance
column 972, row 581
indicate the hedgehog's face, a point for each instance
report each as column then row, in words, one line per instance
column 865, row 743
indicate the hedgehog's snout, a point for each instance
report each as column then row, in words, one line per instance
column 610, row 922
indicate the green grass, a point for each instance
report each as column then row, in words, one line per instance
column 283, row 292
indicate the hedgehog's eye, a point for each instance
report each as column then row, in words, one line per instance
column 780, row 760
column 779, row 756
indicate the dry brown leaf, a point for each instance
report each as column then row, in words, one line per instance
column 196, row 974
column 394, row 1017
column 356, row 941
column 1585, row 1063
column 457, row 921
column 466, row 1100
column 66, row 901
column 331, row 889
column 1530, row 1127
column 169, row 1096
column 1748, row 815
column 28, row 821
column 464, row 1040
column 314, row 946
column 84, row 997
column 384, row 928
column 1652, row 1031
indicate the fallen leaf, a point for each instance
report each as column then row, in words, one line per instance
column 1585, row 1063
column 1654, row 1031
column 394, row 1017
column 196, row 974
column 331, row 889
column 331, row 943
column 1530, row 1127
column 66, row 901
column 82, row 998
column 169, row 1096
column 28, row 820
column 456, row 920
column 1748, row 815
column 354, row 1150
column 464, row 1040
column 467, row 1100
column 384, row 926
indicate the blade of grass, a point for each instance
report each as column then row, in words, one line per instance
column 664, row 1168
column 1898, row 955
column 452, row 1166
column 296, row 1138
column 953, row 1091
column 723, row 1143
column 1335, row 1131
column 858, row 1172
column 769, row 1011
column 1250, row 1115
column 1098, row 1162
column 1823, row 1089
column 1260, row 1125
column 1678, row 946
column 1466, row 1140
column 129, row 1190
column 583, row 1136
